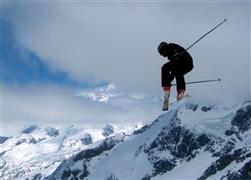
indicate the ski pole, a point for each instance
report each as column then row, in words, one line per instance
column 225, row 20
column 204, row 81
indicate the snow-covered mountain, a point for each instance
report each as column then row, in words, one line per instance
column 190, row 141
column 41, row 149
column 110, row 94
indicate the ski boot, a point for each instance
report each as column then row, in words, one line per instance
column 180, row 94
column 166, row 98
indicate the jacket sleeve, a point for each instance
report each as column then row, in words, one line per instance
column 174, row 50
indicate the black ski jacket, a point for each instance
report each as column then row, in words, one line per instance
column 180, row 60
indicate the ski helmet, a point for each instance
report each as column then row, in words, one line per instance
column 162, row 46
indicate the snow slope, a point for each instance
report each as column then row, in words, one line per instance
column 190, row 141
column 42, row 149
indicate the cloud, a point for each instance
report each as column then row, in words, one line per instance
column 117, row 41
column 59, row 107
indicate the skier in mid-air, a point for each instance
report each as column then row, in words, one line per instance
column 180, row 63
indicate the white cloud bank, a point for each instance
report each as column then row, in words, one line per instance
column 58, row 107
column 117, row 41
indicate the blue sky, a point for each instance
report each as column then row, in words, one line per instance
column 22, row 66
column 81, row 44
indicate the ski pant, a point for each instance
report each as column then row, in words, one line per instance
column 172, row 70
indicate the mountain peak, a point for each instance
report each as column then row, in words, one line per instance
column 109, row 87
column 166, row 147
column 29, row 129
column 215, row 140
